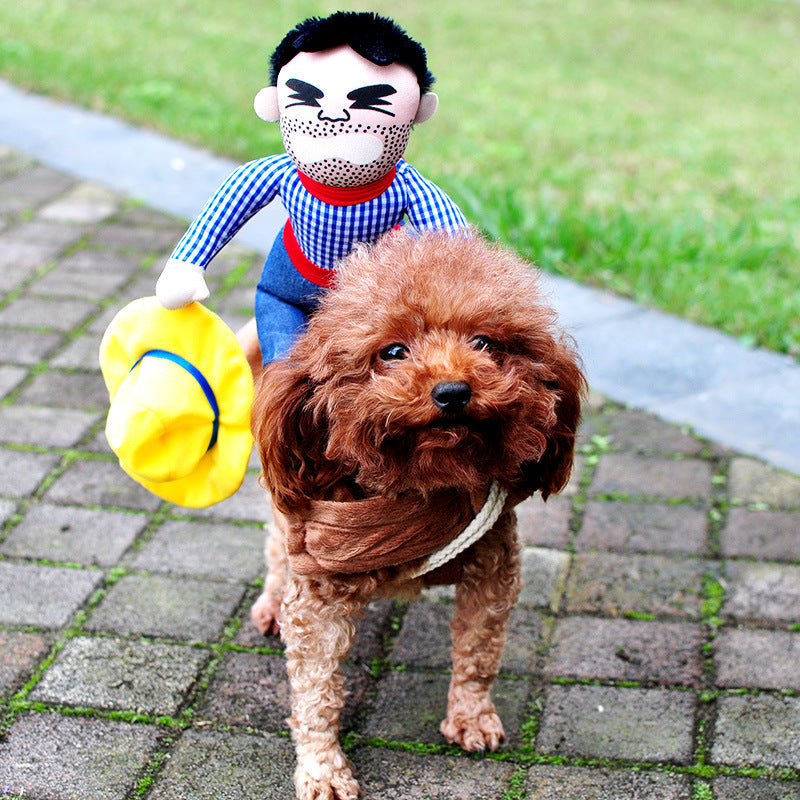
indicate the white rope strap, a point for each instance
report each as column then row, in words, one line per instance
column 482, row 522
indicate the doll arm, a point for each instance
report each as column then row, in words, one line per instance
column 246, row 191
column 428, row 206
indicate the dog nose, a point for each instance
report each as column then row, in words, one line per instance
column 451, row 396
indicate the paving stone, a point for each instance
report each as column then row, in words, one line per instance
column 53, row 236
column 728, row 788
column 84, row 203
column 418, row 719
column 610, row 583
column 388, row 775
column 137, row 214
column 211, row 765
column 751, row 481
column 525, row 642
column 424, row 640
column 249, row 689
column 65, row 283
column 373, row 630
column 81, row 353
column 146, row 238
column 99, row 260
column 46, row 597
column 7, row 509
column 643, row 527
column 31, row 188
column 27, row 347
column 21, row 472
column 762, row 592
column 769, row 535
column 545, row 524
column 757, row 730
column 774, row 668
column 98, row 445
column 46, row 755
column 652, row 476
column 75, row 535
column 551, row 782
column 20, row 652
column 47, row 427
column 10, row 378
column 641, row 432
column 588, row 648
column 110, row 674
column 157, row 605
column 180, row 547
column 76, row 390
column 249, row 504
column 35, row 312
column 544, row 574
column 19, row 261
column 607, row 722
column 100, row 483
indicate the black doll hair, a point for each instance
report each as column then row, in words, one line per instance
column 372, row 36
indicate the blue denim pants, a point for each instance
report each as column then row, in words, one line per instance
column 284, row 299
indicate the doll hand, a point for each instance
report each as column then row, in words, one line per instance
column 180, row 284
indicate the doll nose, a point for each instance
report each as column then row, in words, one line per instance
column 333, row 114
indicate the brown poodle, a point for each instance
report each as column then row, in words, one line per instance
column 431, row 392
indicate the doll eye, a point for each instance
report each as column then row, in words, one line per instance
column 371, row 97
column 483, row 343
column 394, row 352
column 306, row 94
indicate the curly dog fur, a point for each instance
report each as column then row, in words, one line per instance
column 434, row 364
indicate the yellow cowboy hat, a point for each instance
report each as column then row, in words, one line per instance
column 181, row 394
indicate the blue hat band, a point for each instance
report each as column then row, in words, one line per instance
column 198, row 376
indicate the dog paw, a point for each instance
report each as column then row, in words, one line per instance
column 341, row 785
column 474, row 734
column 265, row 615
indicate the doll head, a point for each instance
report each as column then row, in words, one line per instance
column 347, row 90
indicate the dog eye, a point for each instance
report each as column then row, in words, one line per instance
column 483, row 343
column 394, row 352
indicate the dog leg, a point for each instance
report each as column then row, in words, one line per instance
column 484, row 599
column 265, row 612
column 318, row 632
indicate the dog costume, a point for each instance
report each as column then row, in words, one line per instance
column 347, row 90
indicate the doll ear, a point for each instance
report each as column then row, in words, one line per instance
column 428, row 104
column 266, row 104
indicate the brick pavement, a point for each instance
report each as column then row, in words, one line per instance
column 653, row 654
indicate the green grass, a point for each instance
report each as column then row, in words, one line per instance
column 647, row 147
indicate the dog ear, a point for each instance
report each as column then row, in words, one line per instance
column 289, row 435
column 550, row 474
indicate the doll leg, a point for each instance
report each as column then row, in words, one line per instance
column 247, row 336
column 278, row 324
column 284, row 299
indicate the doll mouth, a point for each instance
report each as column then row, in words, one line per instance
column 355, row 148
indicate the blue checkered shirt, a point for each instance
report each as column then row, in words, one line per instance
column 326, row 233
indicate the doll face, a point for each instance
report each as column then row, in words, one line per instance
column 344, row 120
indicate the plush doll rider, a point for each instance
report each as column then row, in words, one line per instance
column 347, row 90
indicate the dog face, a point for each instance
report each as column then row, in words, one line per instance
column 433, row 363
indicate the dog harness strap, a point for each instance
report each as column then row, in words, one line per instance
column 198, row 376
column 482, row 522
